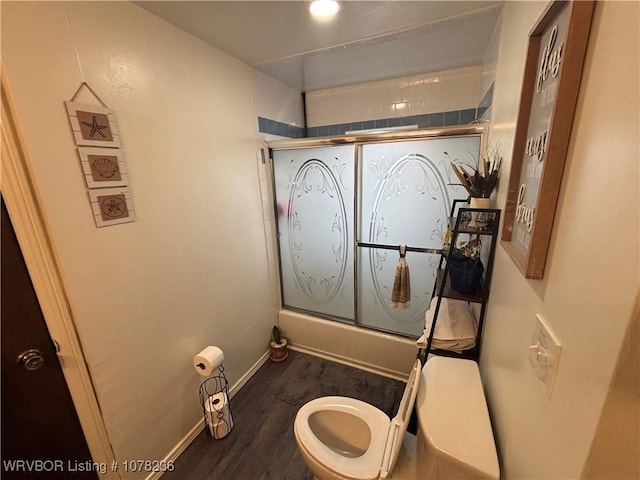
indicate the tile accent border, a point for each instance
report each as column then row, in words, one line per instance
column 427, row 120
column 273, row 127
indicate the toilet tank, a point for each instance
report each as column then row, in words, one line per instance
column 455, row 439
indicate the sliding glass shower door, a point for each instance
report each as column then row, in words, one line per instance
column 314, row 203
column 405, row 196
column 338, row 260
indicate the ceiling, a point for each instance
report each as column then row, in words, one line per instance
column 367, row 41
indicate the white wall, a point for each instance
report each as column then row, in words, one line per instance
column 615, row 450
column 192, row 270
column 591, row 276
column 276, row 101
column 489, row 65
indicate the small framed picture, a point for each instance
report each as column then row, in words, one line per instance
column 93, row 125
column 103, row 167
column 112, row 206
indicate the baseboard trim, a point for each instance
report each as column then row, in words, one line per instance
column 349, row 362
column 179, row 448
column 198, row 427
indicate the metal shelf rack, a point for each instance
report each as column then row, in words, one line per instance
column 484, row 222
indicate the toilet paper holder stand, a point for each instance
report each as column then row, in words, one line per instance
column 212, row 386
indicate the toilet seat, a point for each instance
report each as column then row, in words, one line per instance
column 386, row 434
column 366, row 466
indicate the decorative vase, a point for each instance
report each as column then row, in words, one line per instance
column 478, row 202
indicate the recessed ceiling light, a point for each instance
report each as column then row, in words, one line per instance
column 324, row 8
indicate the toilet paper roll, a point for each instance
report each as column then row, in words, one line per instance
column 220, row 430
column 208, row 360
column 215, row 404
column 218, row 415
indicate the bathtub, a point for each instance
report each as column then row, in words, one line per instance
column 377, row 352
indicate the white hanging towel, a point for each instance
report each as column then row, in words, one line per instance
column 401, row 293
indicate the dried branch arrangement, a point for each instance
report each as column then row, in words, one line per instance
column 481, row 180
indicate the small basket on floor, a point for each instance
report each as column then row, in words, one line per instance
column 216, row 408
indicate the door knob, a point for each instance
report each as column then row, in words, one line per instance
column 31, row 359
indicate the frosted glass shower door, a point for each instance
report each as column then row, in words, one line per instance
column 405, row 198
column 314, row 199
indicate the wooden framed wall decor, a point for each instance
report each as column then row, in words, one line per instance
column 553, row 69
column 93, row 125
column 103, row 167
column 96, row 134
column 112, row 206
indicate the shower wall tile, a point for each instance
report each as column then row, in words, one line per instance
column 273, row 127
column 436, row 120
column 454, row 101
column 452, row 118
column 447, row 91
column 468, row 115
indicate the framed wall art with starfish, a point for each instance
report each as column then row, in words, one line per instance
column 93, row 125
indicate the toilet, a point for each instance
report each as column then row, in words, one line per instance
column 344, row 438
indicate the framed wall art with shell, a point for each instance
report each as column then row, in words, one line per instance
column 103, row 167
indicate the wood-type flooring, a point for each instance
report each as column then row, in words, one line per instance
column 261, row 445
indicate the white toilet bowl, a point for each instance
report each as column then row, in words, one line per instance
column 345, row 438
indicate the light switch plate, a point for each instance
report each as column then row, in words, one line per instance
column 544, row 353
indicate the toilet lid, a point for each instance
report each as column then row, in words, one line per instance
column 382, row 454
column 452, row 411
column 400, row 422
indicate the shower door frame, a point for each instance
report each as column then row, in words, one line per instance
column 358, row 140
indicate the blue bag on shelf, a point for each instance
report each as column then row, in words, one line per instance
column 465, row 272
